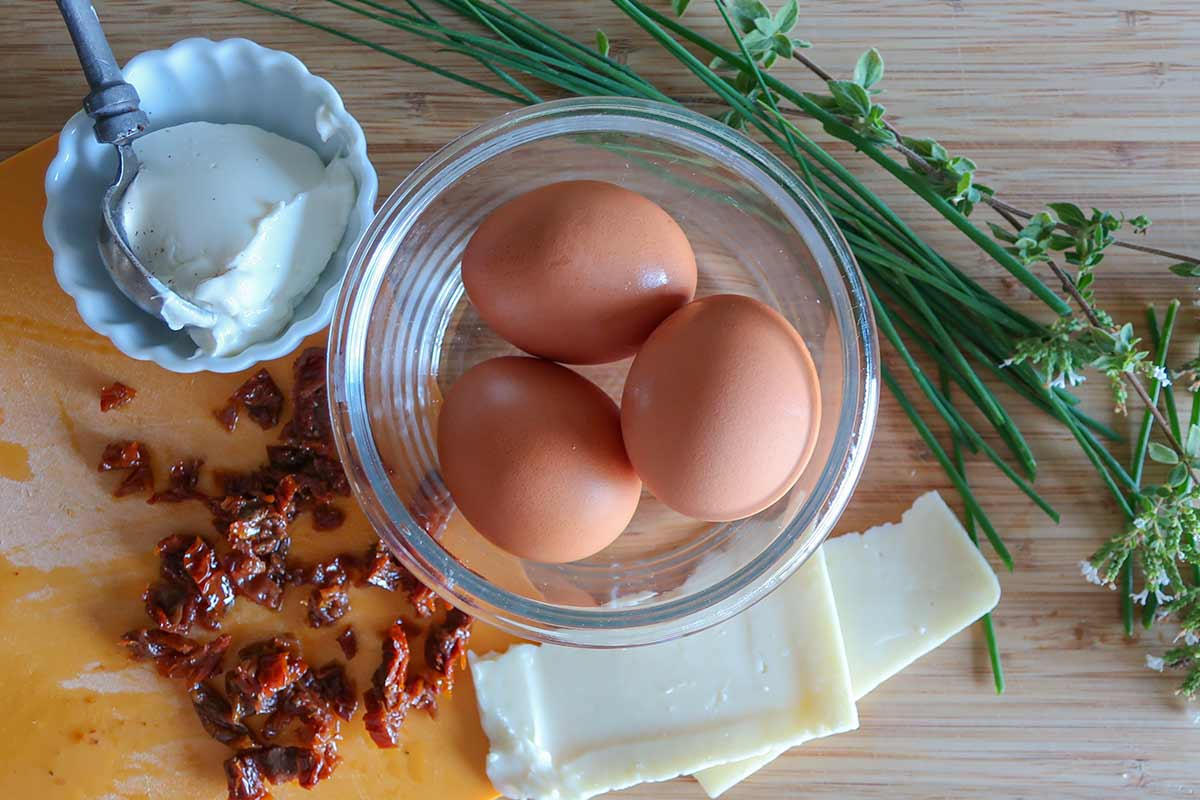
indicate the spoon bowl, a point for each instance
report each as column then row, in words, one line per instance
column 136, row 282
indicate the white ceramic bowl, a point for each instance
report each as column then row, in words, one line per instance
column 234, row 80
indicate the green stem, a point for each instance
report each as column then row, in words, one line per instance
column 1126, row 590
column 989, row 629
column 1161, row 343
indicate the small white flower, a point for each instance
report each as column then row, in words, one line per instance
column 1141, row 523
column 1160, row 375
column 1059, row 381
column 1090, row 573
column 1141, row 597
column 1162, row 597
column 1189, row 638
column 1008, row 362
column 1155, row 663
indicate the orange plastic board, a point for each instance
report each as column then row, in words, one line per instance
column 79, row 720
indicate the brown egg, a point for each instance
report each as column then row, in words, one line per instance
column 579, row 272
column 721, row 408
column 533, row 457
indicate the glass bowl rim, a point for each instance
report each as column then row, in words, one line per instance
column 421, row 554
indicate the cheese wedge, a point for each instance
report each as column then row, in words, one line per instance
column 901, row 590
column 568, row 723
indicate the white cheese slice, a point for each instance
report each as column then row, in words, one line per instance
column 568, row 723
column 901, row 590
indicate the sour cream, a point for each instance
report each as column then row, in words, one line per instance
column 237, row 220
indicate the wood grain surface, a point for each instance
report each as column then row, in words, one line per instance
column 1089, row 100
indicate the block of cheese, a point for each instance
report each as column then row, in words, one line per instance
column 568, row 723
column 901, row 590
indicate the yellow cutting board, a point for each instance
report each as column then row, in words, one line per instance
column 77, row 719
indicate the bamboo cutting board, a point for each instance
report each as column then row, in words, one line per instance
column 1088, row 100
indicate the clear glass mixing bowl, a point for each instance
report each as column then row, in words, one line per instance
column 404, row 331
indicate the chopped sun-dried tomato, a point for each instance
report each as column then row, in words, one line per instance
column 310, row 410
column 182, row 479
column 348, row 641
column 244, row 779
column 259, row 580
column 217, row 717
column 337, row 689
column 189, row 563
column 253, row 511
column 132, row 457
column 177, row 656
column 114, row 395
column 263, row 675
column 261, row 398
column 326, row 605
column 446, row 645
column 122, row 455
column 327, row 517
column 384, row 701
column 227, row 415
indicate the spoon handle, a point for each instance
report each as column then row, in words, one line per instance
column 112, row 103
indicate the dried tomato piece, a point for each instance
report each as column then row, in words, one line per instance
column 446, row 645
column 421, row 693
column 146, row 644
column 261, row 398
column 191, row 563
column 114, row 395
column 336, row 688
column 431, row 507
column 383, row 721
column 380, row 568
column 122, row 455
column 170, row 606
column 227, row 416
column 217, row 717
column 243, row 777
column 182, row 479
column 327, row 517
column 140, row 480
column 319, row 764
column 326, row 605
column 263, row 675
column 385, row 700
column 332, row 572
column 259, row 580
column 348, row 641
column 131, row 456
column 328, row 601
column 177, row 656
column 310, row 404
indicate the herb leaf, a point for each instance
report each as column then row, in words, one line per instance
column 869, row 69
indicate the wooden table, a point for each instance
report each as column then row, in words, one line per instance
column 1089, row 100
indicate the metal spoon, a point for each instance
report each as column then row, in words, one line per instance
column 113, row 107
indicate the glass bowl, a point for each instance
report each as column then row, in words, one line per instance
column 404, row 331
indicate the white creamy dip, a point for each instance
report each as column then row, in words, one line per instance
column 238, row 220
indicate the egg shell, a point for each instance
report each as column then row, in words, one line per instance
column 720, row 408
column 533, row 456
column 579, row 271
